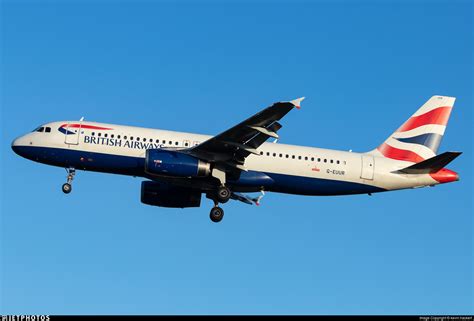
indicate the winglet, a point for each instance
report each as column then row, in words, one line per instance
column 297, row 102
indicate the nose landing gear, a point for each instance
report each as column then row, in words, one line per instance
column 67, row 187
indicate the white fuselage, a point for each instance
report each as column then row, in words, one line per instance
column 92, row 146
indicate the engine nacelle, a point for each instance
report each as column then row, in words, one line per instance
column 171, row 163
column 164, row 195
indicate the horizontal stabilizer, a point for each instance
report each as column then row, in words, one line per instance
column 431, row 165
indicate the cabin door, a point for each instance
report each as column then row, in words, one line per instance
column 368, row 167
column 72, row 133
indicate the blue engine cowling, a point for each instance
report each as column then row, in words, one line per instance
column 172, row 163
column 164, row 195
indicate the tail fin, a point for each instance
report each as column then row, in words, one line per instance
column 419, row 137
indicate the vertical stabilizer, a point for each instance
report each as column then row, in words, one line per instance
column 419, row 137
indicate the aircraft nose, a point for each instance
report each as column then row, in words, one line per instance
column 18, row 146
column 15, row 145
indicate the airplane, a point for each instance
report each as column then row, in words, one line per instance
column 179, row 167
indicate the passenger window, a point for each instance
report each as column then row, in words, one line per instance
column 176, row 143
column 312, row 159
column 331, row 161
column 299, row 157
column 171, row 143
column 99, row 134
column 293, row 156
column 325, row 160
column 131, row 137
column 118, row 136
column 268, row 154
column 124, row 137
column 93, row 133
column 319, row 159
column 274, row 154
column 287, row 155
column 138, row 138
column 281, row 155
column 112, row 136
column 306, row 158
column 105, row 135
column 337, row 162
column 186, row 144
column 48, row 130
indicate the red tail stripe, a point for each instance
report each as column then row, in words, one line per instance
column 85, row 126
column 399, row 154
column 438, row 116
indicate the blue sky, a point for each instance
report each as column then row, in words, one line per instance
column 364, row 67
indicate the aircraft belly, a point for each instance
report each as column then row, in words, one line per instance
column 86, row 160
column 317, row 186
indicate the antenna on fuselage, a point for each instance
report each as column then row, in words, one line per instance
column 82, row 118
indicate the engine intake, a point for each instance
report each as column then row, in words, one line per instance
column 172, row 163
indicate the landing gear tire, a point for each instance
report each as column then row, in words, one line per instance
column 223, row 194
column 216, row 214
column 67, row 188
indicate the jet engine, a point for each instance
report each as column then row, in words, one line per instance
column 164, row 195
column 173, row 163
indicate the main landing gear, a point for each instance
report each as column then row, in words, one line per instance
column 67, row 187
column 216, row 214
column 222, row 195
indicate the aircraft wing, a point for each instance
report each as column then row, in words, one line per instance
column 248, row 199
column 235, row 144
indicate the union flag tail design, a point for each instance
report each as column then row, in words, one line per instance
column 419, row 137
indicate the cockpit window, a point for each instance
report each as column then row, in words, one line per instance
column 42, row 129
